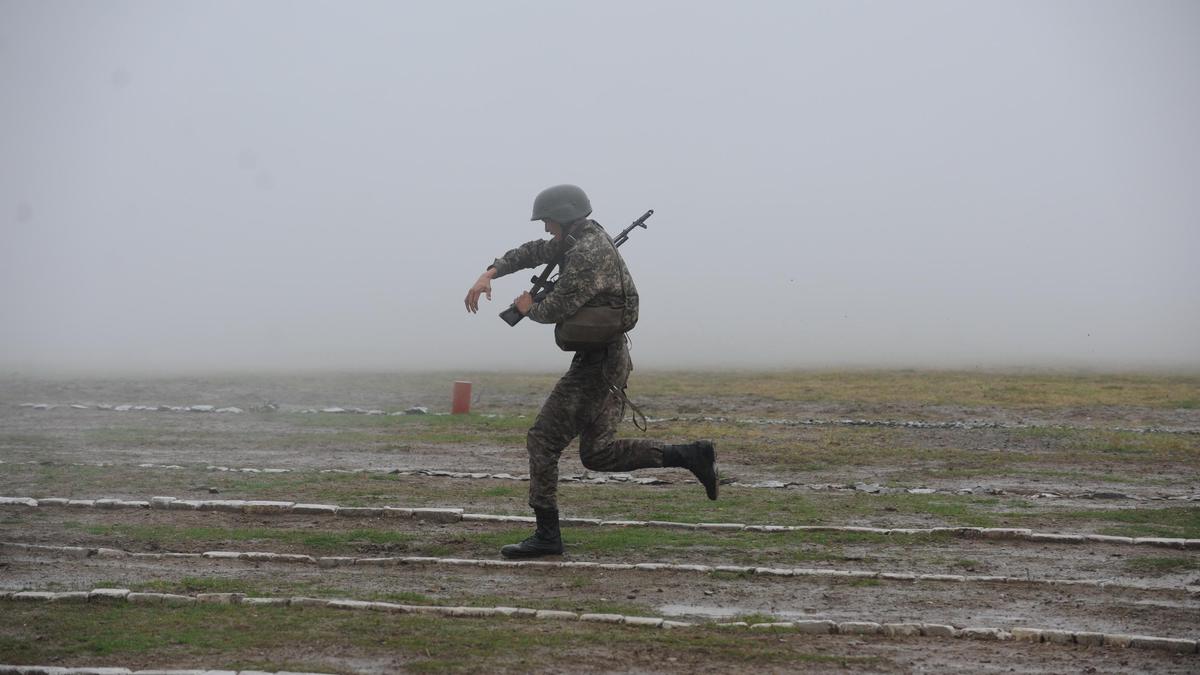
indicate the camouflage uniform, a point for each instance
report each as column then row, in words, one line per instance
column 588, row 400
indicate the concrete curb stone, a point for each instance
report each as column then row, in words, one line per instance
column 859, row 628
column 902, row 629
column 315, row 509
column 1022, row 634
column 602, row 618
column 1058, row 637
column 815, row 626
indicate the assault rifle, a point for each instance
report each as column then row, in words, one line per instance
column 543, row 283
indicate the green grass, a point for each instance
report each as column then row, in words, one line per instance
column 929, row 388
column 1161, row 565
column 1178, row 521
column 168, row 537
column 267, row 637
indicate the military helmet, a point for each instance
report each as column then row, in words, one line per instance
column 563, row 204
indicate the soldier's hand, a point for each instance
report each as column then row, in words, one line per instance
column 482, row 286
column 523, row 303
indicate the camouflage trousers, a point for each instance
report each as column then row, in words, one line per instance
column 584, row 404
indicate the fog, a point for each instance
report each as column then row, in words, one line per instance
column 192, row 186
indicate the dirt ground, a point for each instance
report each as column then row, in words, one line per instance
column 1163, row 468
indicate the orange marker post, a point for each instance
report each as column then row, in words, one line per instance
column 462, row 398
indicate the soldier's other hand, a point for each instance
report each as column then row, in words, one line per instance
column 523, row 303
column 483, row 286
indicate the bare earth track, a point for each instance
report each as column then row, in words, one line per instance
column 1115, row 455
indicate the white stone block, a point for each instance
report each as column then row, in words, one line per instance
column 315, row 509
column 779, row 625
column 18, row 501
column 33, row 596
column 161, row 502
column 775, row 571
column 265, row 602
column 259, row 556
column 814, row 626
column 108, row 594
column 267, row 506
column 1058, row 637
column 602, row 618
column 1108, row 539
column 1174, row 645
column 1118, row 640
column 349, row 604
column 220, row 598
column 653, row 622
column 1162, row 542
column 1021, row 634
column 360, row 511
column 859, row 628
column 937, row 630
column 438, row 515
column 301, row 601
column 227, row 505
column 175, row 600
column 983, row 633
column 941, row 577
column 901, row 629
column 671, row 524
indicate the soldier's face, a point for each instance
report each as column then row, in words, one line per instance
column 553, row 228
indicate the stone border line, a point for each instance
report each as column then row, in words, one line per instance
column 814, row 627
column 967, row 425
column 454, row 515
column 330, row 562
column 107, row 670
column 629, row 479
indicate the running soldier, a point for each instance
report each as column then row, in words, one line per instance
column 588, row 401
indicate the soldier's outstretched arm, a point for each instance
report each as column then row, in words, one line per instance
column 482, row 286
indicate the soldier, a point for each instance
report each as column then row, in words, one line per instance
column 589, row 400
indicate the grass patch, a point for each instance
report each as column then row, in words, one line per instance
column 1159, row 565
column 169, row 537
column 273, row 639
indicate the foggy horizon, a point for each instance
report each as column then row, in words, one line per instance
column 271, row 187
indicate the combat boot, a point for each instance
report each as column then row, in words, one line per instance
column 700, row 458
column 546, row 540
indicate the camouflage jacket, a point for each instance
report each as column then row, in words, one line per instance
column 592, row 274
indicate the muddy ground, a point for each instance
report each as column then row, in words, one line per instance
column 1164, row 464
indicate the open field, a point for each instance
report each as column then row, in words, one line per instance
column 1069, row 454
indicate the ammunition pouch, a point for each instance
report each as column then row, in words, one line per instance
column 591, row 328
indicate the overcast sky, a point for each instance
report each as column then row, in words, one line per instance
column 264, row 185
